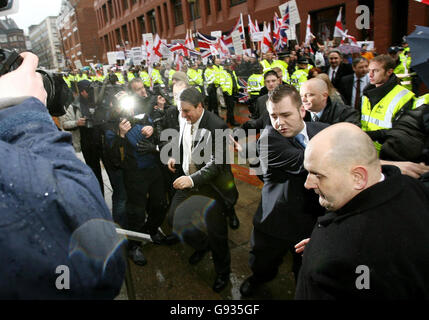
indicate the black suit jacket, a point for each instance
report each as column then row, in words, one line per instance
column 288, row 210
column 213, row 169
column 346, row 88
column 343, row 70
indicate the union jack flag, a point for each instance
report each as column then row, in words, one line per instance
column 243, row 96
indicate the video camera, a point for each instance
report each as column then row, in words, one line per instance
column 59, row 95
column 126, row 107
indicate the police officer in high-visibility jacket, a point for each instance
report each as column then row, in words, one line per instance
column 267, row 61
column 195, row 77
column 402, row 69
column 171, row 73
column 254, row 85
column 383, row 100
column 156, row 78
column 145, row 77
column 229, row 85
column 283, row 65
column 300, row 75
column 209, row 79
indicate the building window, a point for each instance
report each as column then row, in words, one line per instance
column 194, row 9
column 133, row 2
column 118, row 36
column 152, row 21
column 178, row 13
column 125, row 32
column 219, row 5
column 106, row 17
column 235, row 2
column 124, row 5
column 110, row 5
column 141, row 24
column 166, row 13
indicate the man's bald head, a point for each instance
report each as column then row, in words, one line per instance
column 346, row 144
column 342, row 162
column 314, row 94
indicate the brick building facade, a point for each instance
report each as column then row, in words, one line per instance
column 77, row 27
column 11, row 36
column 121, row 23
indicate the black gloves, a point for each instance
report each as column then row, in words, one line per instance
column 145, row 146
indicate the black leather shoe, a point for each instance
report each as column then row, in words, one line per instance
column 234, row 223
column 171, row 239
column 220, row 282
column 197, row 256
column 248, row 288
column 158, row 238
column 136, row 254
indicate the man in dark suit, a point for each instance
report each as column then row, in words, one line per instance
column 337, row 68
column 316, row 100
column 205, row 185
column 372, row 244
column 287, row 210
column 351, row 86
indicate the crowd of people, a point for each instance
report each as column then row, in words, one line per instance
column 336, row 131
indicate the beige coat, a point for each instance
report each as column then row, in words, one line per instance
column 69, row 122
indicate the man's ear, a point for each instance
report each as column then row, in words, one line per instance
column 360, row 177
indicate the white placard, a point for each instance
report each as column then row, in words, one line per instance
column 148, row 37
column 257, row 36
column 78, row 64
column 216, row 34
column 111, row 57
column 369, row 43
column 237, row 42
column 291, row 33
column 294, row 13
column 282, row 9
column 120, row 55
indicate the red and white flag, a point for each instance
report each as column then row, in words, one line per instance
column 423, row 1
column 339, row 30
column 266, row 41
column 189, row 41
column 156, row 54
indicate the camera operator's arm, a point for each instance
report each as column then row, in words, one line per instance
column 54, row 210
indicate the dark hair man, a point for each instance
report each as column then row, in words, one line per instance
column 205, row 184
column 353, row 85
column 336, row 68
column 372, row 244
column 287, row 210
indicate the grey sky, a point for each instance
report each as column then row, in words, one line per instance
column 34, row 12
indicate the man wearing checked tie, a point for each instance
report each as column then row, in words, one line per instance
column 287, row 210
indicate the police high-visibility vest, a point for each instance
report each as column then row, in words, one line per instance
column 266, row 65
column 255, row 83
column 195, row 78
column 298, row 78
column 418, row 102
column 120, row 77
column 81, row 77
column 130, row 76
column 218, row 74
column 170, row 76
column 209, row 76
column 283, row 66
column 382, row 114
column 67, row 81
column 403, row 73
column 145, row 78
column 227, row 82
column 156, row 78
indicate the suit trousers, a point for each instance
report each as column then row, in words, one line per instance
column 145, row 192
column 198, row 219
column 267, row 255
column 230, row 104
column 212, row 99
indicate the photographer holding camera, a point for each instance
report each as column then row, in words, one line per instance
column 53, row 214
